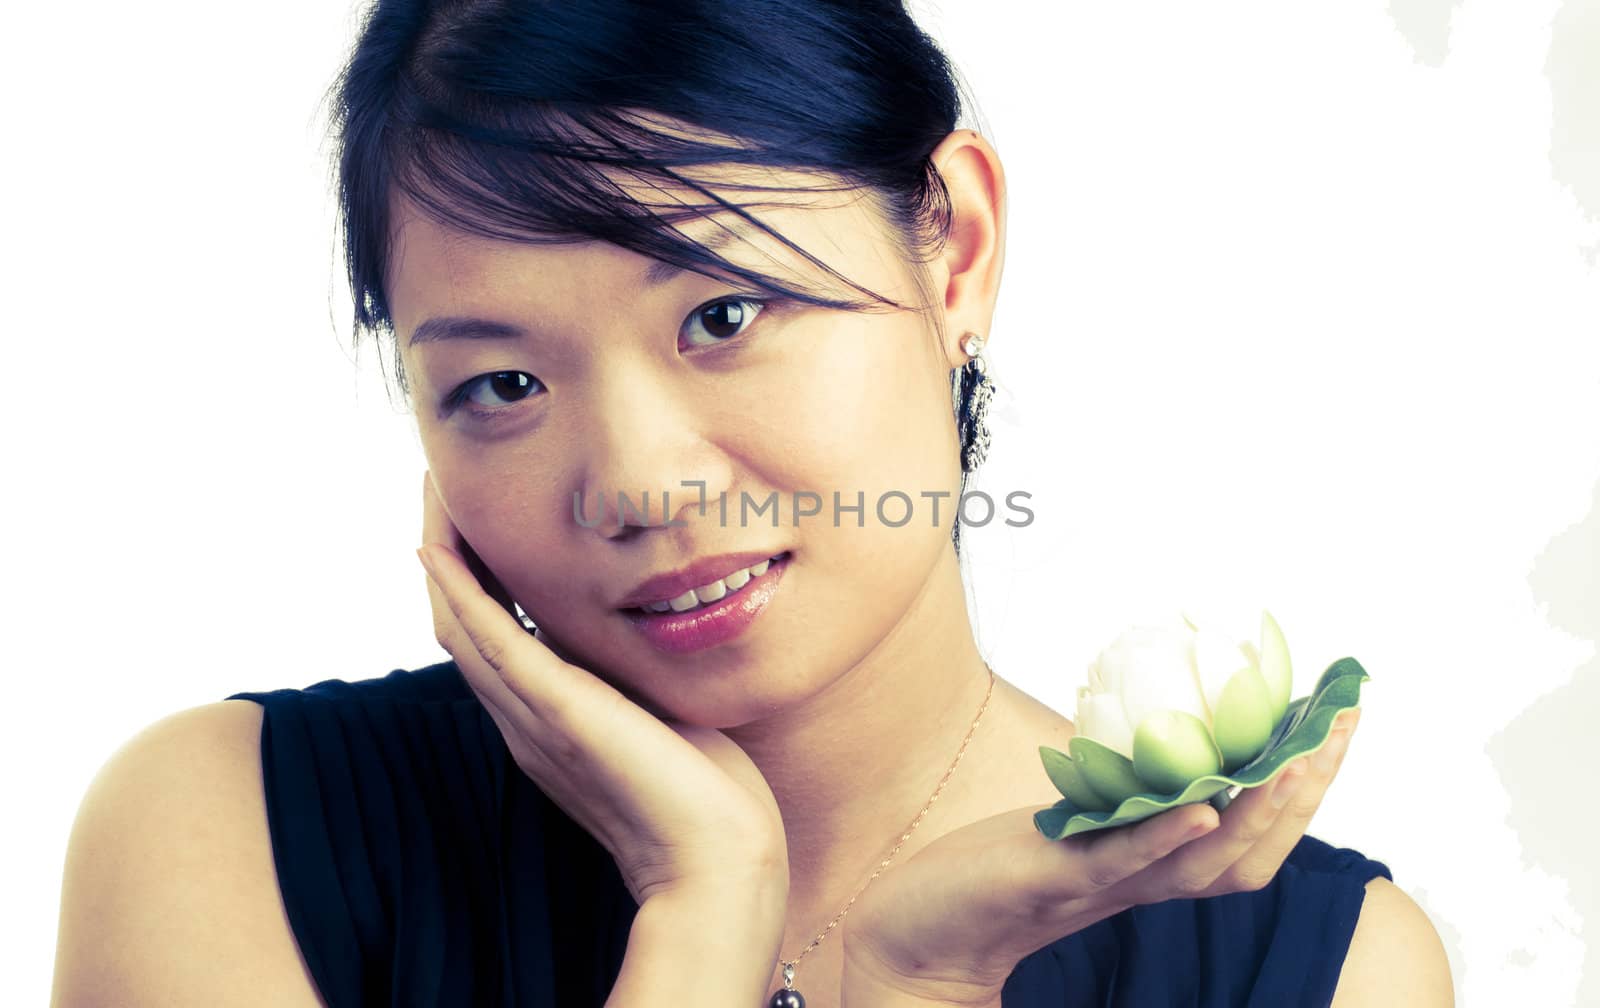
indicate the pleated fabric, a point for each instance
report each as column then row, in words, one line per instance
column 420, row 866
column 1281, row 946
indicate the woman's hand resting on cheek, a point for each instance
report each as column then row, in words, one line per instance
column 682, row 809
column 948, row 926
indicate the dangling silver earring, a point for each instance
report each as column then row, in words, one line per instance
column 973, row 393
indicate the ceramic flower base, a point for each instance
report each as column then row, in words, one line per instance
column 1303, row 729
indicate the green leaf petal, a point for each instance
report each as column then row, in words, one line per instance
column 1172, row 748
column 1275, row 668
column 1244, row 719
column 1065, row 776
column 1106, row 771
column 1304, row 728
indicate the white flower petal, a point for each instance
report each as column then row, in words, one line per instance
column 1097, row 681
column 1276, row 670
column 1157, row 672
column 1217, row 659
column 1100, row 718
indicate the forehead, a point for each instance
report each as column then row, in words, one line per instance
column 435, row 265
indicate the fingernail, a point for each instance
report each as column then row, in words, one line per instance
column 1288, row 784
column 427, row 564
column 1330, row 752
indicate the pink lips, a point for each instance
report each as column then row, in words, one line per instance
column 698, row 629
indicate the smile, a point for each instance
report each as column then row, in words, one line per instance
column 712, row 614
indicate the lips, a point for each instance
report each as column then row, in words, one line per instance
column 717, row 623
column 672, row 584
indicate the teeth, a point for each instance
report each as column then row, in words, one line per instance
column 712, row 592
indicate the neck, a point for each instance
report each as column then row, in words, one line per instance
column 852, row 767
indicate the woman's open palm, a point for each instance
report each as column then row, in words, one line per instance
column 951, row 923
column 679, row 807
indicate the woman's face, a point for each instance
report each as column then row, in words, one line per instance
column 609, row 383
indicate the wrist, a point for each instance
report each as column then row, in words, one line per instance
column 755, row 901
column 755, row 892
column 711, row 946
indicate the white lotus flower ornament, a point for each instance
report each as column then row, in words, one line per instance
column 1177, row 714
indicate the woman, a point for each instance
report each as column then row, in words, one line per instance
column 679, row 294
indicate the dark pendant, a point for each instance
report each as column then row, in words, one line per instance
column 974, row 393
column 787, row 999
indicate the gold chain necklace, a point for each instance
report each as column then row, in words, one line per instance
column 788, row 997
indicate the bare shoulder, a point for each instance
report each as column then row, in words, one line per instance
column 1395, row 955
column 169, row 894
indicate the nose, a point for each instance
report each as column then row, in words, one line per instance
column 643, row 438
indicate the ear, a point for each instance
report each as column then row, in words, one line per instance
column 967, row 273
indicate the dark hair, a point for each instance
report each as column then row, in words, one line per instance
column 507, row 118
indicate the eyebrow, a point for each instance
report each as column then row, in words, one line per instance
column 452, row 327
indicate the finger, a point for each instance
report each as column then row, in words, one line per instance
column 564, row 723
column 565, row 699
column 488, row 643
column 490, row 689
column 493, row 687
column 1257, row 866
column 1258, row 831
column 1120, row 854
column 556, row 712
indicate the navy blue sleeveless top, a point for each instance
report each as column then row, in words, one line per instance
column 420, row 866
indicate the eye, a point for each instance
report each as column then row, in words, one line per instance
column 723, row 320
column 509, row 386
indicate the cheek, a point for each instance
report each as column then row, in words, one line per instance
column 868, row 412
column 504, row 511
column 870, row 419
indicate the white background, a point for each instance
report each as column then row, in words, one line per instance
column 1299, row 311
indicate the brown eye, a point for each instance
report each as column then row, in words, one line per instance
column 722, row 320
column 506, row 386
